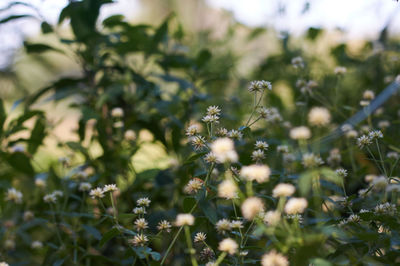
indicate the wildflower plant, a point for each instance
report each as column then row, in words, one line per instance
column 258, row 180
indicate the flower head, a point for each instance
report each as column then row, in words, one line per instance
column 259, row 85
column 96, row 193
column 283, row 190
column 259, row 173
column 296, row 205
column 300, row 133
column 274, row 258
column 228, row 245
column 319, row 116
column 184, row 219
column 251, row 207
column 14, row 195
column 224, row 150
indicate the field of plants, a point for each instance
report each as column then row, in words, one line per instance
column 184, row 153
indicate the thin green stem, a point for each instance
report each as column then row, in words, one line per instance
column 114, row 209
column 220, row 258
column 190, row 246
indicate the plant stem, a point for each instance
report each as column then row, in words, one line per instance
column 189, row 243
column 220, row 258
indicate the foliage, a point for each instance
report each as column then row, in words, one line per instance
column 339, row 204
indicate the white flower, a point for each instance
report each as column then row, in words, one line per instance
column 283, row 190
column 235, row 134
column 109, row 188
column 296, row 205
column 273, row 258
column 223, row 226
column 184, row 219
column 139, row 240
column 141, row 224
column 164, row 225
column 143, row 202
column 319, row 116
column 369, row 178
column 224, row 150
column 228, row 245
column 375, row 134
column 298, row 62
column 36, row 245
column 3, row 263
column 260, row 173
column 257, row 155
column 213, row 110
column 210, row 119
column 117, row 112
column 311, row 160
column 251, row 207
column 363, row 141
column 96, row 193
column 341, row 172
column 368, row 95
column 85, row 186
column 379, row 183
column 200, row 237
column 210, row 158
column 236, row 224
column 130, row 135
column 14, row 195
column 198, row 142
column 139, row 210
column 50, row 198
column 261, row 145
column 192, row 130
column 340, row 70
column 300, row 133
column 39, row 182
column 272, row 218
column 193, row 186
column 227, row 189
column 259, row 85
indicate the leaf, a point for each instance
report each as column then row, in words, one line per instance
column 209, row 210
column 313, row 33
column 188, row 204
column 246, row 131
column 13, row 17
column 305, row 181
column 46, row 27
column 40, row 48
column 155, row 255
column 92, row 231
column 203, row 57
column 20, row 162
column 3, row 116
column 194, row 157
column 108, row 236
column 37, row 135
column 113, row 21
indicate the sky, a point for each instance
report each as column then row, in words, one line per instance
column 360, row 18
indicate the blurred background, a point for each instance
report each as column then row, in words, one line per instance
column 230, row 42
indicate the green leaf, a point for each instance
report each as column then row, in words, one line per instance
column 305, row 181
column 155, row 255
column 40, row 48
column 313, row 33
column 108, row 236
column 188, row 204
column 37, row 135
column 194, row 157
column 209, row 210
column 92, row 231
column 203, row 57
column 13, row 17
column 46, row 27
column 3, row 116
column 20, row 162
column 320, row 262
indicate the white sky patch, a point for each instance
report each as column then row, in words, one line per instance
column 360, row 18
